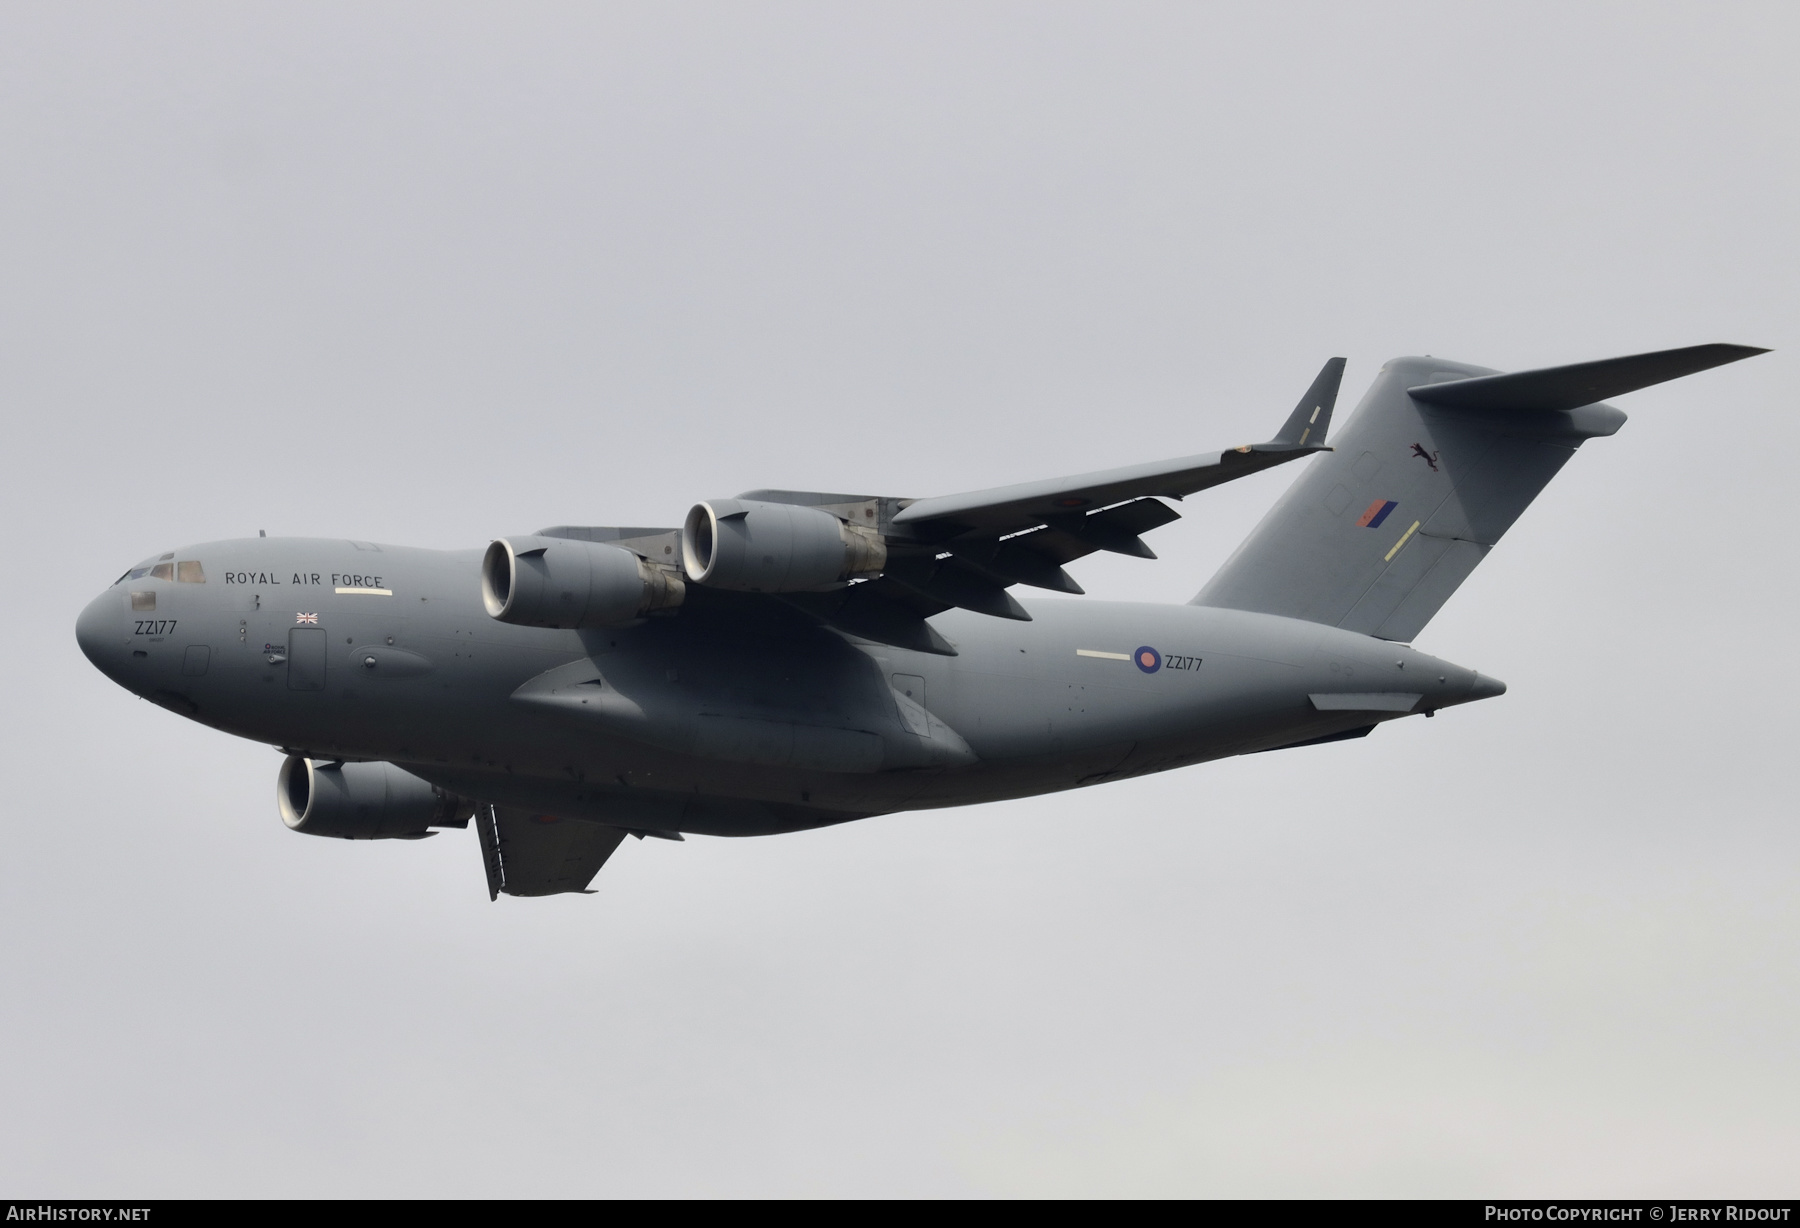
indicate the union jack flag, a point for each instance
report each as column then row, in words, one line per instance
column 307, row 618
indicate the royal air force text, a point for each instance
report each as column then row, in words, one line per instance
column 306, row 578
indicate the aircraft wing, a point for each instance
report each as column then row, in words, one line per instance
column 966, row 550
column 1010, row 509
column 539, row 854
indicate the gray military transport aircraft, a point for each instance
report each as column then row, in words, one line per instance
column 790, row 659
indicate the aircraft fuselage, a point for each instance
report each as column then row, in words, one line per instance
column 720, row 717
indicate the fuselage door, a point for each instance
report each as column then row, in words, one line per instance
column 306, row 658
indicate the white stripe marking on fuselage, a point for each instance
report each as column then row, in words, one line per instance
column 1104, row 656
column 365, row 592
column 1404, row 538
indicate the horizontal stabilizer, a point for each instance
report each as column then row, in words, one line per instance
column 1584, row 383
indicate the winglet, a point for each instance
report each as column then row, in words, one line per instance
column 1307, row 425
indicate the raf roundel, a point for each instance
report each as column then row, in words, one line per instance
column 1148, row 659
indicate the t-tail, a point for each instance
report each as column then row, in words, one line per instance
column 1433, row 467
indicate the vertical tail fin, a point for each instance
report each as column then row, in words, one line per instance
column 1432, row 468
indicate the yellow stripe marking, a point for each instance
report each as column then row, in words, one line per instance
column 1104, row 656
column 1304, row 434
column 1400, row 543
column 1315, row 416
column 365, row 592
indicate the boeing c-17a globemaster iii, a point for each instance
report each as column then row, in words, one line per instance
column 788, row 659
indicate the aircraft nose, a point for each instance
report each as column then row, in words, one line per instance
column 1486, row 688
column 101, row 632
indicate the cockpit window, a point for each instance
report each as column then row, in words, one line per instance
column 187, row 571
column 143, row 600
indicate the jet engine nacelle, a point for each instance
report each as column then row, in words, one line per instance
column 775, row 547
column 363, row 801
column 558, row 582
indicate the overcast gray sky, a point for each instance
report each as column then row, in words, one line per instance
column 432, row 273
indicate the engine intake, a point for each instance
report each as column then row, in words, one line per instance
column 558, row 582
column 363, row 801
column 775, row 547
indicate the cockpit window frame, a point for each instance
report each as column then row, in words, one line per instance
column 165, row 567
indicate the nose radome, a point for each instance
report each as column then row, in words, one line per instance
column 1486, row 687
column 101, row 632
